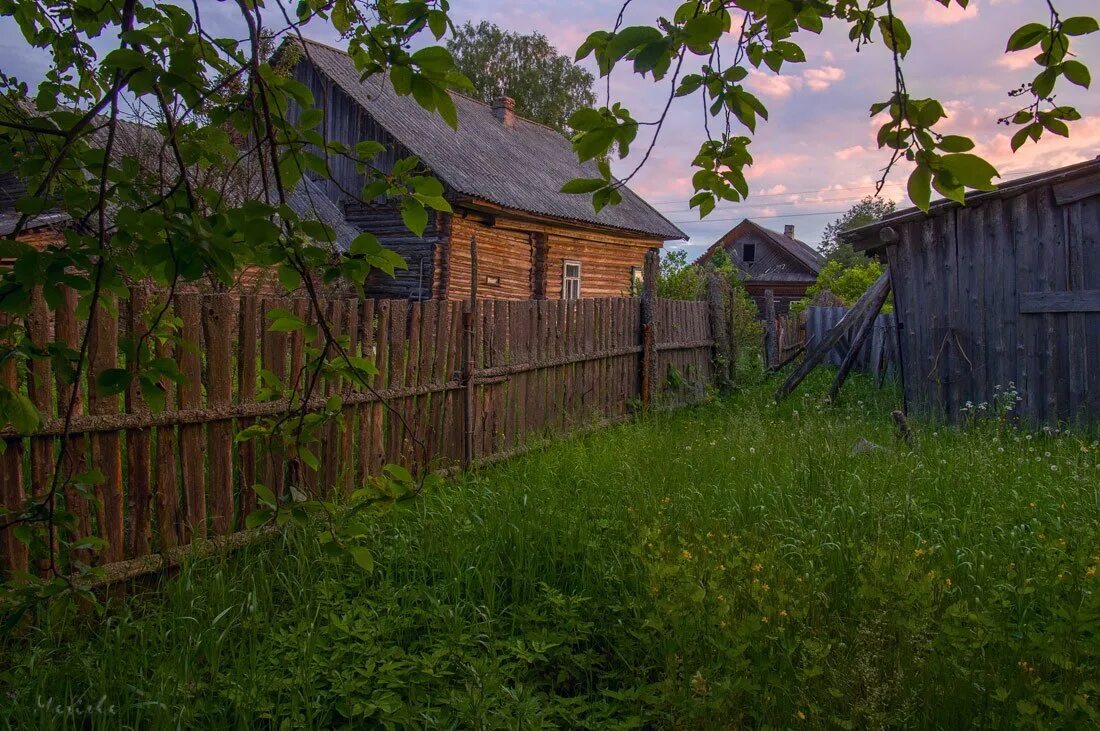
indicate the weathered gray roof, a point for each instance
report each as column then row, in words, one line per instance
column 522, row 167
column 861, row 238
column 800, row 251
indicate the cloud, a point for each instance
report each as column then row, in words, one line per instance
column 774, row 190
column 822, row 78
column 767, row 164
column 773, row 85
column 927, row 12
column 849, row 152
column 1016, row 61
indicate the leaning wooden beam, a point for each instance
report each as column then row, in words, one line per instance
column 831, row 338
column 865, row 327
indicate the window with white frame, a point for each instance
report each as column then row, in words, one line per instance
column 571, row 280
column 637, row 279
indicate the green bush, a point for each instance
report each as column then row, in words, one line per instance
column 683, row 281
column 847, row 282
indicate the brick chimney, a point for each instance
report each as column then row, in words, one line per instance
column 504, row 109
column 788, row 231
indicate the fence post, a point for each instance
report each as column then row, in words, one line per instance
column 771, row 345
column 719, row 328
column 469, row 347
column 649, row 325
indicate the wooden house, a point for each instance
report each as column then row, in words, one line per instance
column 502, row 176
column 769, row 260
column 1000, row 295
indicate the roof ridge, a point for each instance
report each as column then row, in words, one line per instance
column 453, row 92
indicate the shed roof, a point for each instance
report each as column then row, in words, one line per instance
column 521, row 167
column 866, row 237
column 798, row 250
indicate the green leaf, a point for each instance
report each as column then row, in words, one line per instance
column 414, row 215
column 629, row 38
column 1020, row 137
column 919, row 187
column 18, row 410
column 583, row 185
column 971, row 170
column 289, row 278
column 112, row 381
column 702, row 31
column 1079, row 25
column 956, row 143
column 363, row 557
column 1077, row 73
column 1026, row 36
column 895, row 35
column 258, row 517
column 263, row 492
column 398, row 473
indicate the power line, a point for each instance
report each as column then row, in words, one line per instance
column 779, row 215
column 656, row 201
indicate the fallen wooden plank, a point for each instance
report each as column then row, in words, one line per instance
column 831, row 338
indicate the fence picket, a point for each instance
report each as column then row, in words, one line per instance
column 541, row 367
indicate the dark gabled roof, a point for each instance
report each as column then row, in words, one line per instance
column 862, row 237
column 800, row 251
column 522, row 167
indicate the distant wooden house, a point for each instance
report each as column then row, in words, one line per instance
column 502, row 176
column 1000, row 295
column 769, row 260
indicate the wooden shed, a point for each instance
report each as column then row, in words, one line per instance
column 502, row 176
column 1002, row 294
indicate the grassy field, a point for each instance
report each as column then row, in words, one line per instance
column 730, row 565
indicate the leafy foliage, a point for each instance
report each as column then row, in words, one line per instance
column 173, row 155
column 866, row 211
column 683, row 281
column 730, row 38
column 730, row 565
column 848, row 282
column 547, row 86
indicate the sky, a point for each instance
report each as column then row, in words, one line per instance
column 817, row 154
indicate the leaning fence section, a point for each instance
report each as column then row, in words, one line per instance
column 456, row 383
column 879, row 352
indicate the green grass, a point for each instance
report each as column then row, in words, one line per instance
column 730, row 565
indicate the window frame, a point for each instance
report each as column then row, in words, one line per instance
column 566, row 280
column 745, row 249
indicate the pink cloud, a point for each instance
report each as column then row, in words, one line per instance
column 773, row 85
column 822, row 78
column 849, row 152
column 774, row 190
column 769, row 164
column 929, row 12
column 1017, row 61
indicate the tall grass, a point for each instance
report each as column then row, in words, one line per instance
column 735, row 564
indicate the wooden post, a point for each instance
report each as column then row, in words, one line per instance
column 863, row 329
column 771, row 344
column 649, row 325
column 469, row 347
column 719, row 329
column 876, row 293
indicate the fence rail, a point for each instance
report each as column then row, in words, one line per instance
column 537, row 369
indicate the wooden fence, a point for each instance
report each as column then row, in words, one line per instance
column 879, row 355
column 535, row 369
